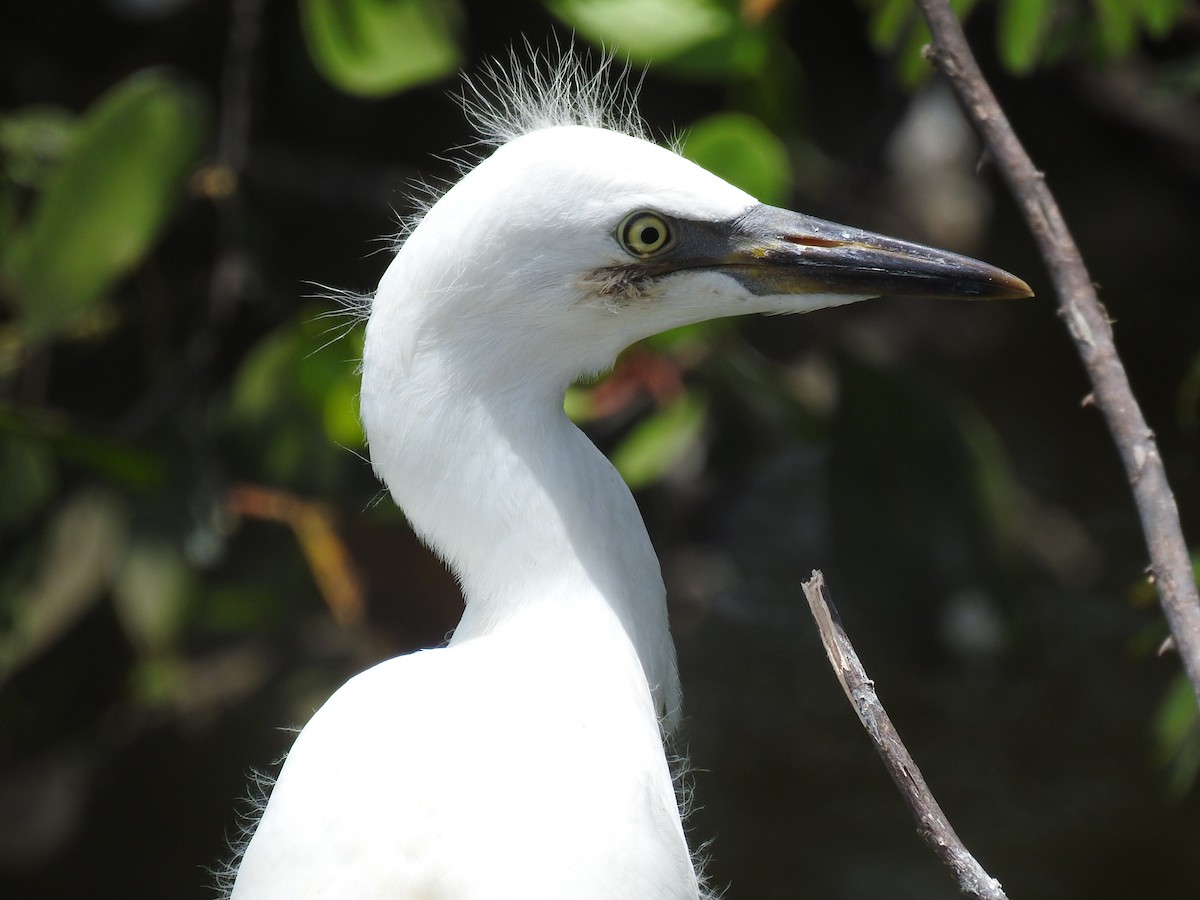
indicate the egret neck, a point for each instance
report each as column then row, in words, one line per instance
column 531, row 517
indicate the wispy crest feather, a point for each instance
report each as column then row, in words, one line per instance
column 550, row 88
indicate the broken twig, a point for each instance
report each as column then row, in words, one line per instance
column 932, row 824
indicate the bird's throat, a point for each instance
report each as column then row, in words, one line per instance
column 526, row 511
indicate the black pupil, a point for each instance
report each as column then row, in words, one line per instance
column 649, row 235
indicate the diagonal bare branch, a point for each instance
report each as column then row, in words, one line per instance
column 1088, row 324
column 932, row 824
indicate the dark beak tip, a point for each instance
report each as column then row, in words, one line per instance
column 981, row 281
column 1010, row 287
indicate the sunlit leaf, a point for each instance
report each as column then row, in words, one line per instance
column 578, row 405
column 704, row 39
column 103, row 207
column 743, row 151
column 327, row 375
column 339, row 413
column 660, row 442
column 378, row 47
column 300, row 361
column 1023, row 25
column 646, row 30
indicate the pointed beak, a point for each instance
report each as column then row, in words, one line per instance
column 776, row 252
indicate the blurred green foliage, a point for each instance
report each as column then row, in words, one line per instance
column 743, row 151
column 100, row 207
column 376, row 47
column 709, row 39
column 1030, row 32
column 294, row 401
column 1177, row 731
column 661, row 441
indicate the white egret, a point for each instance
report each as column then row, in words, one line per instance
column 525, row 759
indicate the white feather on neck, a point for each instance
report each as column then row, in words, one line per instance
column 464, row 415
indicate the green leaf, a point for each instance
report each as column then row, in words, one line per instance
column 743, row 151
column 660, row 442
column 911, row 64
column 703, row 39
column 303, row 361
column 888, row 21
column 1160, row 16
column 1116, row 22
column 577, row 404
column 327, row 376
column 377, row 47
column 646, row 30
column 339, row 410
column 33, row 140
column 1023, row 27
column 107, row 202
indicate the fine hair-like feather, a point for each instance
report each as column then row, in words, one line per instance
column 556, row 87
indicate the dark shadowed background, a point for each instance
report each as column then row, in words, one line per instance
column 195, row 554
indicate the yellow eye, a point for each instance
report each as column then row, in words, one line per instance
column 643, row 233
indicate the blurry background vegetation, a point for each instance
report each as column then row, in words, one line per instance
column 195, row 552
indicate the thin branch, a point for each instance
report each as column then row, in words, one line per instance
column 932, row 824
column 1089, row 325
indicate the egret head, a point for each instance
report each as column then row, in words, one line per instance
column 572, row 241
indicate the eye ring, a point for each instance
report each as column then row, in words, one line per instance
column 644, row 233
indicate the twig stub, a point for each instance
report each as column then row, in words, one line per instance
column 932, row 824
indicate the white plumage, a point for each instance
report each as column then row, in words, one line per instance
column 525, row 759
